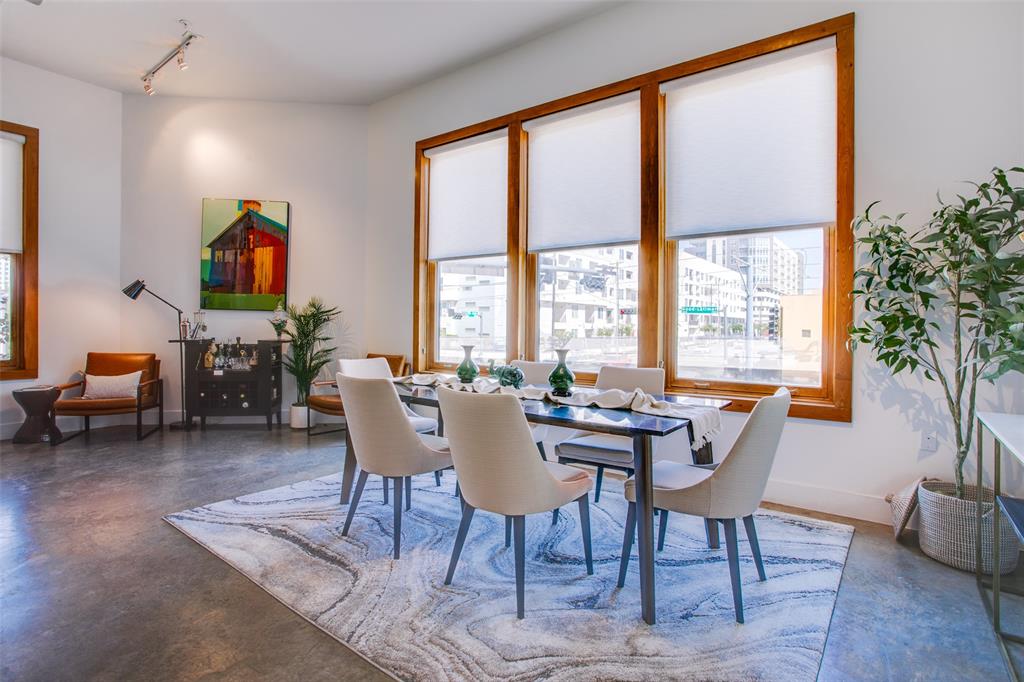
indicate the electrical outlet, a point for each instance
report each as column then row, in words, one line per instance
column 928, row 443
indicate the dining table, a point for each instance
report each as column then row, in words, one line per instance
column 641, row 428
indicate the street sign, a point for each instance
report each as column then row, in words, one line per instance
column 699, row 309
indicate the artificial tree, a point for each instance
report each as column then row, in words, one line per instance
column 307, row 350
column 959, row 278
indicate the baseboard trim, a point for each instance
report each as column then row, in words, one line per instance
column 829, row 500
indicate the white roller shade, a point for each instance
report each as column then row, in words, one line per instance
column 753, row 144
column 468, row 204
column 584, row 170
column 11, row 197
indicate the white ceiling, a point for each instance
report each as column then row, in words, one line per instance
column 287, row 50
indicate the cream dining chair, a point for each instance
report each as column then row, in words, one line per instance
column 377, row 367
column 604, row 451
column 721, row 492
column 536, row 374
column 385, row 443
column 499, row 472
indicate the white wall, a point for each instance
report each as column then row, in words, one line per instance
column 179, row 150
column 79, row 219
column 939, row 98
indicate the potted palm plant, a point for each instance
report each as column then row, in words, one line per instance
column 947, row 301
column 308, row 352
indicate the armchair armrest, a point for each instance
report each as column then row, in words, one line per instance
column 64, row 387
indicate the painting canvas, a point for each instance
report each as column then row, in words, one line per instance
column 244, row 257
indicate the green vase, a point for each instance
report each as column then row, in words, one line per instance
column 468, row 370
column 561, row 377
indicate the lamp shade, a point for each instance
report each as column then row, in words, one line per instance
column 135, row 289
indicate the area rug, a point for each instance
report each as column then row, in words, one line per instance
column 402, row 618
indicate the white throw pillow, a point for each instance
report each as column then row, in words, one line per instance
column 119, row 386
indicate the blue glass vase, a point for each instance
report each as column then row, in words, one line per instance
column 561, row 377
column 467, row 370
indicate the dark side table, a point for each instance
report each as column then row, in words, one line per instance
column 40, row 422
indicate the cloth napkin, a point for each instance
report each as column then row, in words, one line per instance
column 706, row 421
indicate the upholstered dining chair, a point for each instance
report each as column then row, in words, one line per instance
column 499, row 471
column 723, row 492
column 385, row 443
column 536, row 374
column 604, row 451
column 149, row 394
column 329, row 402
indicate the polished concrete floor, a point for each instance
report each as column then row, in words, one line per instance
column 96, row 587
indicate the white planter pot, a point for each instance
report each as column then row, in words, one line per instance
column 297, row 417
column 948, row 531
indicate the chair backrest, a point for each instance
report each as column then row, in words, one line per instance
column 384, row 440
column 535, row 373
column 495, row 458
column 368, row 368
column 650, row 380
column 397, row 363
column 114, row 364
column 739, row 481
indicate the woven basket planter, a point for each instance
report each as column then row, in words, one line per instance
column 949, row 528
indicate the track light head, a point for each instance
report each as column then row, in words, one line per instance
column 147, row 86
column 182, row 64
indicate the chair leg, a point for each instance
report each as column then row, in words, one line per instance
column 554, row 516
column 597, row 484
column 85, row 427
column 458, row 490
column 385, row 479
column 399, row 481
column 584, row 503
column 408, row 493
column 627, row 542
column 662, row 528
column 540, row 447
column 508, row 531
column 732, row 550
column 437, row 478
column 755, row 546
column 138, row 423
column 360, row 482
column 711, row 530
column 519, row 536
column 460, row 539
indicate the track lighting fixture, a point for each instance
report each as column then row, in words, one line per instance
column 177, row 53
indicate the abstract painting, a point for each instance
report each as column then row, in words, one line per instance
column 244, row 256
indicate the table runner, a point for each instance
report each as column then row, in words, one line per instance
column 706, row 421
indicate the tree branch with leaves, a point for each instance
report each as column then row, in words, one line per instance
column 947, row 300
column 307, row 352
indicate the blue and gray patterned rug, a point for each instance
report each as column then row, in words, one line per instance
column 402, row 618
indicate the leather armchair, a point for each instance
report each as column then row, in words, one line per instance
column 149, row 395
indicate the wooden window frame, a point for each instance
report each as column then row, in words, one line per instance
column 24, row 363
column 656, row 325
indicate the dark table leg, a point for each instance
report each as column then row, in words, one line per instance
column 440, row 424
column 645, row 523
column 349, row 469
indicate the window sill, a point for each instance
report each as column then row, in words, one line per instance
column 18, row 374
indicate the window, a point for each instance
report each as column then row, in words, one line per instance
column 741, row 319
column 19, row 211
column 467, row 242
column 584, row 202
column 694, row 217
column 766, row 125
column 473, row 315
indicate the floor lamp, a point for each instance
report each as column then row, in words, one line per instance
column 133, row 291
